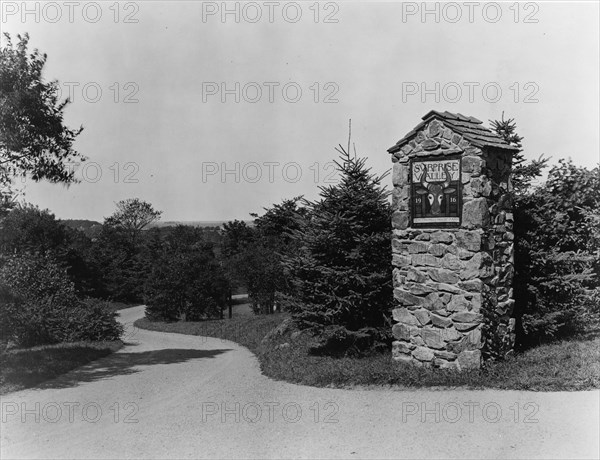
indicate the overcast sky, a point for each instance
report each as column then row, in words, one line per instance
column 167, row 124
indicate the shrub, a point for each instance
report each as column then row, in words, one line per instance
column 557, row 255
column 339, row 341
column 341, row 274
column 186, row 282
column 39, row 306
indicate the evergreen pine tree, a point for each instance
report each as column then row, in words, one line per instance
column 341, row 273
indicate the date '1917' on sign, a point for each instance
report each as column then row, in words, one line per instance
column 436, row 193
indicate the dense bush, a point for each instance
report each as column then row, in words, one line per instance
column 557, row 255
column 27, row 229
column 39, row 306
column 341, row 274
column 186, row 282
column 253, row 255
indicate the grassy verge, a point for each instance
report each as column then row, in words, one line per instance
column 564, row 366
column 247, row 331
column 25, row 368
column 116, row 306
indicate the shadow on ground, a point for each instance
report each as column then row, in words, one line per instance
column 124, row 364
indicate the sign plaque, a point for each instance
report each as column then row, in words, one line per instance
column 436, row 192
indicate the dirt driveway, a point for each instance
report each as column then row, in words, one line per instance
column 176, row 396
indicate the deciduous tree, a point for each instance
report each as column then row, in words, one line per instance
column 34, row 140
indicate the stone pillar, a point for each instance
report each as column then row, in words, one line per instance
column 452, row 248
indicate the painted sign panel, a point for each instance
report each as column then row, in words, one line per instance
column 436, row 192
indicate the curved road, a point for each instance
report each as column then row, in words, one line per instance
column 177, row 396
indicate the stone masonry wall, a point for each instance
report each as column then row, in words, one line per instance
column 452, row 287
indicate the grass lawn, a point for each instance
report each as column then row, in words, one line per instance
column 563, row 366
column 24, row 368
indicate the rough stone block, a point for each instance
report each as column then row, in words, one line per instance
column 474, row 339
column 467, row 317
column 473, row 285
column 430, row 144
column 442, row 275
column 450, row 288
column 476, row 214
column 416, row 276
column 447, row 355
column 472, row 165
column 506, row 274
column 506, row 307
column 485, row 189
column 470, row 240
column 398, row 277
column 400, row 220
column 403, row 192
column 417, row 340
column 402, row 347
column 406, row 298
column 422, row 354
column 401, row 261
column 433, row 338
column 417, row 247
column 435, row 127
column 425, row 260
column 458, row 303
column 471, row 269
column 463, row 254
column 401, row 234
column 422, row 316
column 440, row 321
column 398, row 246
column 400, row 174
column 441, row 237
column 438, row 249
column 475, row 303
column 402, row 315
column 451, row 262
column 402, row 331
column 450, row 334
column 419, row 289
column 433, row 301
column 464, row 327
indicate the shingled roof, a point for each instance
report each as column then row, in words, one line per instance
column 470, row 128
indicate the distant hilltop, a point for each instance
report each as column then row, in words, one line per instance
column 194, row 223
column 92, row 227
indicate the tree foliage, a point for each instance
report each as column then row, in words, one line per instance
column 33, row 138
column 340, row 273
column 132, row 216
column 27, row 229
column 557, row 250
column 121, row 250
column 186, row 282
column 39, row 305
column 523, row 171
column 253, row 255
column 557, row 254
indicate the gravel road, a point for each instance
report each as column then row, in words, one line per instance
column 176, row 396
